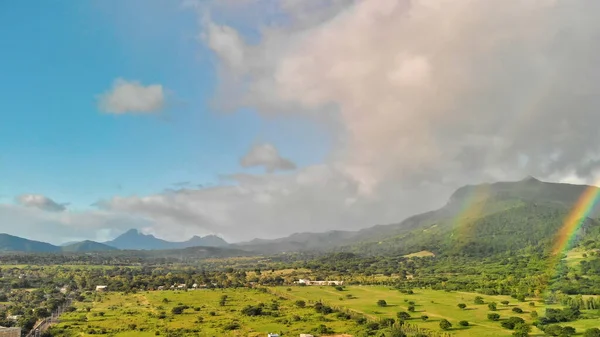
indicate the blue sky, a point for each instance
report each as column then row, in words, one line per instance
column 59, row 56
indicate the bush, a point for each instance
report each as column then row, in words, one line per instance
column 232, row 326
column 463, row 323
column 492, row 306
column 382, row 303
column 178, row 310
column 300, row 303
column 478, row 300
column 493, row 316
column 403, row 315
column 512, row 322
column 445, row 324
column 388, row 322
column 593, row 332
column 517, row 310
column 532, row 304
column 505, row 302
column 424, row 317
column 372, row 326
column 461, row 305
column 251, row 310
column 411, row 308
column 338, row 288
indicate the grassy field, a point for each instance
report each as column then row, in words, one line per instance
column 436, row 305
column 118, row 313
column 205, row 317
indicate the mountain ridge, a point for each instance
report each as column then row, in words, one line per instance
column 133, row 239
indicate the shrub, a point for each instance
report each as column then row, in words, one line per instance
column 178, row 310
column 493, row 316
column 372, row 326
column 463, row 323
column 593, row 332
column 382, row 303
column 338, row 288
column 251, row 310
column 461, row 305
column 492, row 306
column 512, row 322
column 300, row 303
column 403, row 315
column 232, row 326
column 424, row 317
column 411, row 308
column 388, row 322
column 532, row 304
column 478, row 300
column 445, row 324
column 517, row 310
column 505, row 302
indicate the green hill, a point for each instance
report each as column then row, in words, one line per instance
column 87, row 246
column 15, row 243
column 477, row 220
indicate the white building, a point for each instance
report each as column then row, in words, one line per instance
column 101, row 288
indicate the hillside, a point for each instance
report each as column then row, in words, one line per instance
column 14, row 243
column 477, row 219
column 87, row 246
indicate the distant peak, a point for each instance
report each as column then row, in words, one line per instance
column 530, row 179
column 132, row 231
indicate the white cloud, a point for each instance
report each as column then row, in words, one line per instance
column 59, row 227
column 131, row 96
column 41, row 202
column 316, row 198
column 267, row 156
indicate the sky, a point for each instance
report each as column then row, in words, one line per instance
column 262, row 118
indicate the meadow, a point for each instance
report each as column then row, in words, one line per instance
column 205, row 314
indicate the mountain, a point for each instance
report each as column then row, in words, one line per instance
column 133, row 239
column 86, row 246
column 11, row 243
column 15, row 243
column 477, row 219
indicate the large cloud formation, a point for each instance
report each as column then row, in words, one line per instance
column 441, row 90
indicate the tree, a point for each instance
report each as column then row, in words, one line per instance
column 522, row 330
column 403, row 315
column 462, row 305
column 42, row 313
column 493, row 316
column 382, row 303
column 411, row 308
column 223, row 300
column 424, row 317
column 478, row 300
column 463, row 323
column 388, row 322
column 593, row 332
column 505, row 302
column 492, row 306
column 300, row 303
column 534, row 314
column 445, row 324
column 517, row 310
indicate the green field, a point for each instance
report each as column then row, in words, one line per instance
column 436, row 305
column 120, row 311
column 143, row 309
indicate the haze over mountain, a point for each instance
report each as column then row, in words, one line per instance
column 134, row 239
column 508, row 213
column 477, row 219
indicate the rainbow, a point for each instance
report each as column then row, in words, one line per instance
column 577, row 216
